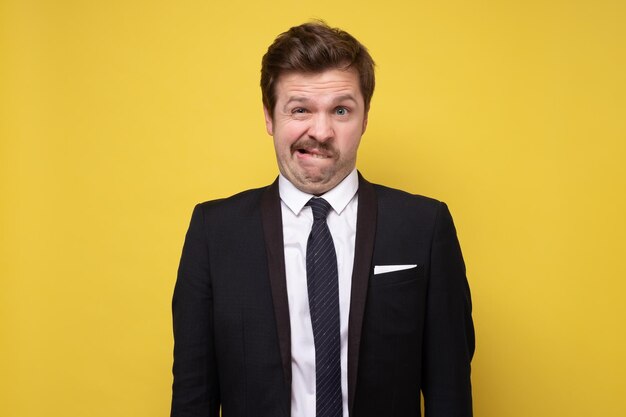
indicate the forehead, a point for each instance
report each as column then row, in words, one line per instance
column 325, row 83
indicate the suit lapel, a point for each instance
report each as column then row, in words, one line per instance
column 273, row 231
column 364, row 247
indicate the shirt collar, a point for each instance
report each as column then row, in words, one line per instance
column 338, row 197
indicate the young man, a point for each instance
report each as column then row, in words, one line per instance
column 322, row 294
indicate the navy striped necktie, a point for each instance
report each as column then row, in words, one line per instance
column 323, row 288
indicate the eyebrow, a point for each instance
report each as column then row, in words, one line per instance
column 301, row 99
column 345, row 97
column 298, row 99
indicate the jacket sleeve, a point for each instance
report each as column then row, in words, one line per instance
column 449, row 331
column 195, row 391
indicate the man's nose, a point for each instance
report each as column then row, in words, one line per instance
column 321, row 128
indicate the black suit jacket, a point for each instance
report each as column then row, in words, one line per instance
column 408, row 331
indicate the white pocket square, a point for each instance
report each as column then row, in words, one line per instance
column 383, row 269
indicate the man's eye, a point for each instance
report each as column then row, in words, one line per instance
column 341, row 111
column 299, row 110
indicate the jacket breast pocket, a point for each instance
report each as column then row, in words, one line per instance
column 403, row 276
column 395, row 304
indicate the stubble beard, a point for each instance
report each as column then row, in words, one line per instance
column 320, row 180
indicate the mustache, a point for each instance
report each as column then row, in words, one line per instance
column 311, row 144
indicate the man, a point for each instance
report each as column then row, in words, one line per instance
column 321, row 294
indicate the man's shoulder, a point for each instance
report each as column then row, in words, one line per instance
column 247, row 201
column 393, row 197
column 400, row 210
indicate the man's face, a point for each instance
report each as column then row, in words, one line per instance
column 317, row 125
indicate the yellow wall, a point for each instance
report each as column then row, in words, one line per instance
column 116, row 117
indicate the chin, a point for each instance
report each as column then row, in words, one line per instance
column 318, row 187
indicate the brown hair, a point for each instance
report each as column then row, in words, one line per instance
column 315, row 47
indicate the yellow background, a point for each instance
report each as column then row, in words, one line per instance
column 116, row 117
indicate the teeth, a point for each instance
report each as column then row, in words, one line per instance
column 312, row 154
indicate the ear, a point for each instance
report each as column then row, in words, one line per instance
column 364, row 123
column 269, row 124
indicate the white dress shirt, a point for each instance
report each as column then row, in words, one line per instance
column 297, row 221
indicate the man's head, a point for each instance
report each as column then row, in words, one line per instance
column 317, row 84
column 313, row 48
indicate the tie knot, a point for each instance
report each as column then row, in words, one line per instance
column 320, row 208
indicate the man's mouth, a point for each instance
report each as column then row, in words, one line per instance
column 313, row 152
